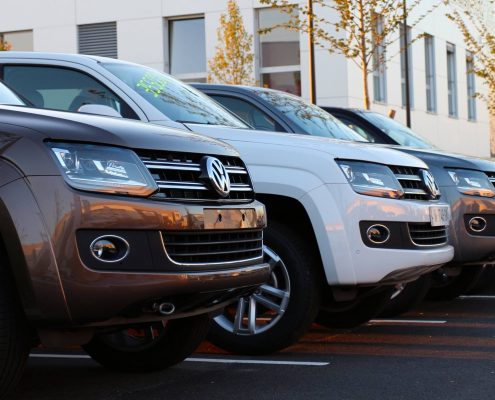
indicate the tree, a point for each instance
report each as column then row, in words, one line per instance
column 4, row 46
column 360, row 32
column 476, row 21
column 234, row 60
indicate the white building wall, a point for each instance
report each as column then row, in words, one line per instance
column 142, row 38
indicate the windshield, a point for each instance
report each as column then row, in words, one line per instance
column 308, row 117
column 396, row 131
column 7, row 96
column 176, row 100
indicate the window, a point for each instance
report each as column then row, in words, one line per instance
column 431, row 84
column 178, row 101
column 98, row 39
column 359, row 130
column 471, row 87
column 379, row 66
column 451, row 80
column 409, row 66
column 280, row 58
column 249, row 113
column 309, row 118
column 61, row 89
column 187, row 49
column 20, row 40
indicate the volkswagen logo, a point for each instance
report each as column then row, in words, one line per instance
column 430, row 184
column 216, row 174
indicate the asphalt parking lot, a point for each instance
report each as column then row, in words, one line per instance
column 442, row 350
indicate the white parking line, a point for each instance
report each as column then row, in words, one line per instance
column 407, row 321
column 477, row 297
column 196, row 359
column 268, row 362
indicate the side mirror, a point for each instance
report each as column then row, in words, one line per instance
column 99, row 109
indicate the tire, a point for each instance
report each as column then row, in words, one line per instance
column 15, row 335
column 282, row 310
column 350, row 315
column 412, row 294
column 486, row 282
column 449, row 288
column 152, row 348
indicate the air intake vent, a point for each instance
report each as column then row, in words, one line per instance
column 178, row 177
column 213, row 247
column 411, row 182
column 423, row 234
column 98, row 39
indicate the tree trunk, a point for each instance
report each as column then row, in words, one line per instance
column 366, row 93
column 362, row 45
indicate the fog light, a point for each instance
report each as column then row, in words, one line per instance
column 477, row 224
column 109, row 248
column 378, row 234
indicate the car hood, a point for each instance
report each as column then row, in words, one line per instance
column 67, row 126
column 337, row 149
column 444, row 159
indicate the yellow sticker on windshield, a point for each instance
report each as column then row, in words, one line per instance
column 152, row 83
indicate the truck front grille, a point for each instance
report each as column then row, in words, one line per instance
column 411, row 182
column 423, row 234
column 178, row 177
column 491, row 177
column 213, row 247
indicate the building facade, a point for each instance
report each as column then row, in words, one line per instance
column 179, row 37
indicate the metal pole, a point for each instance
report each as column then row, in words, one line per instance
column 406, row 66
column 312, row 75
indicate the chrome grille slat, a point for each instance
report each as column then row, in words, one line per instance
column 213, row 247
column 423, row 234
column 414, row 191
column 411, row 182
column 178, row 176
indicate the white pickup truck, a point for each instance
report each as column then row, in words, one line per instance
column 347, row 223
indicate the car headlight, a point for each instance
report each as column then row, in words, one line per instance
column 103, row 169
column 474, row 183
column 371, row 179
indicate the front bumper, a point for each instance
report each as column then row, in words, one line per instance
column 67, row 291
column 471, row 247
column 336, row 212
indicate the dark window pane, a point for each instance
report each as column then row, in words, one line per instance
column 62, row 89
column 289, row 82
column 249, row 113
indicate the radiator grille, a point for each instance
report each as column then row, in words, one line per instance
column 213, row 247
column 423, row 234
column 411, row 182
column 178, row 177
column 491, row 177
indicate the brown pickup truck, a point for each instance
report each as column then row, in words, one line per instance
column 119, row 236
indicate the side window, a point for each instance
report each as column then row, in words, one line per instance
column 62, row 89
column 249, row 113
column 350, row 124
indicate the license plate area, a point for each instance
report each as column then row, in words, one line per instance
column 230, row 219
column 439, row 215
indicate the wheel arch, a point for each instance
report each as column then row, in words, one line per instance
column 292, row 213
